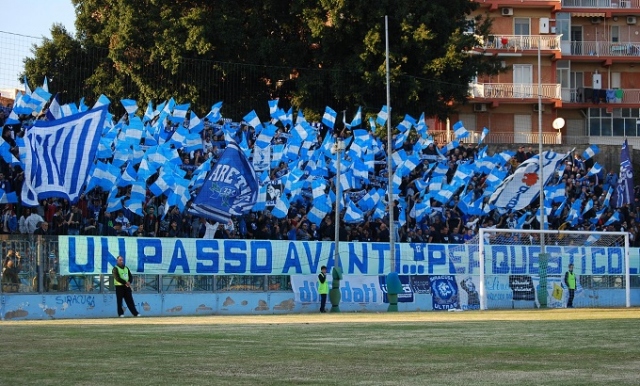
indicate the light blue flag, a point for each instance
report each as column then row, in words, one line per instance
column 329, row 117
column 38, row 99
column 252, row 119
column 399, row 141
column 129, row 176
column 281, row 209
column 484, row 134
column 51, row 173
column 27, row 90
column 180, row 113
column 450, row 146
column 590, row 152
column 357, row 120
column 607, row 198
column 383, row 115
column 319, row 210
column 372, row 124
column 558, row 211
column 137, row 197
column 588, row 207
column 555, row 193
column 214, row 115
column 179, row 194
column 261, row 202
column 130, row 105
column 273, row 108
column 353, row 214
column 422, row 128
column 407, row 123
column 45, row 84
column 102, row 101
column 614, row 218
column 265, row 137
column 460, row 131
column 594, row 170
column 114, row 203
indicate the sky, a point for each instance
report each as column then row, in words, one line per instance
column 22, row 21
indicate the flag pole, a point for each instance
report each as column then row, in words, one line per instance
column 392, row 225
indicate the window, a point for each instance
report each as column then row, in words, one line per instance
column 471, row 27
column 615, row 33
column 521, row 26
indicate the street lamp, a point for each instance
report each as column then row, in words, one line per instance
column 334, row 293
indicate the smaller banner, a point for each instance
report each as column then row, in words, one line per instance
column 522, row 287
column 444, row 291
column 406, row 296
column 354, row 289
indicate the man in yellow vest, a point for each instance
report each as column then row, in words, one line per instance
column 570, row 282
column 323, row 287
column 122, row 278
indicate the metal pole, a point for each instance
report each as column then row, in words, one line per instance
column 540, row 163
column 338, row 146
column 543, row 256
column 392, row 225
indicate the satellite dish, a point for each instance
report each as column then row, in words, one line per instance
column 558, row 123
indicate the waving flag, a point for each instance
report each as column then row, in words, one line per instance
column 383, row 115
column 353, row 214
column 591, row 151
column 130, row 105
column 519, row 189
column 485, row 132
column 60, row 154
column 624, row 189
column 329, row 117
column 252, row 119
column 594, row 170
column 230, row 189
column 357, row 120
column 319, row 210
column 460, row 131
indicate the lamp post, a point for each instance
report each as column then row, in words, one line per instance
column 542, row 260
column 334, row 293
column 392, row 225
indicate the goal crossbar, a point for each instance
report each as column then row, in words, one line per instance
column 482, row 233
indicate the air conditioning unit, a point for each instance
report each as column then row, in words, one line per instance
column 507, row 11
column 631, row 20
column 480, row 108
column 596, row 20
column 536, row 108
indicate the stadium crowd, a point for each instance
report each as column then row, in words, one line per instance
column 445, row 223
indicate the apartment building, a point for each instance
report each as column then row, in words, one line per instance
column 589, row 55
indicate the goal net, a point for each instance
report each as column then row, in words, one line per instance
column 526, row 268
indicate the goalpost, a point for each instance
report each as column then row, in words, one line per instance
column 527, row 255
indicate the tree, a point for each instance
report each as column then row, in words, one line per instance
column 308, row 54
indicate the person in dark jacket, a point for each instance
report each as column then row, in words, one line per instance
column 122, row 278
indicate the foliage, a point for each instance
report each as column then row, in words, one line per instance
column 308, row 54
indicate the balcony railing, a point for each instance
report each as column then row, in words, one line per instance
column 506, row 138
column 514, row 90
column 517, row 43
column 601, row 4
column 578, row 95
column 605, row 48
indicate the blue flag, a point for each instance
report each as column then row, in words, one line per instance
column 62, row 173
column 624, row 190
column 231, row 188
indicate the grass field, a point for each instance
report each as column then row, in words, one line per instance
column 532, row 347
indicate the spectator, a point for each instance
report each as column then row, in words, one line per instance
column 10, row 278
column 43, row 229
column 33, row 222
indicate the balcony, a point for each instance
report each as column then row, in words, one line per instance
column 600, row 4
column 514, row 91
column 520, row 43
column 600, row 49
column 629, row 97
